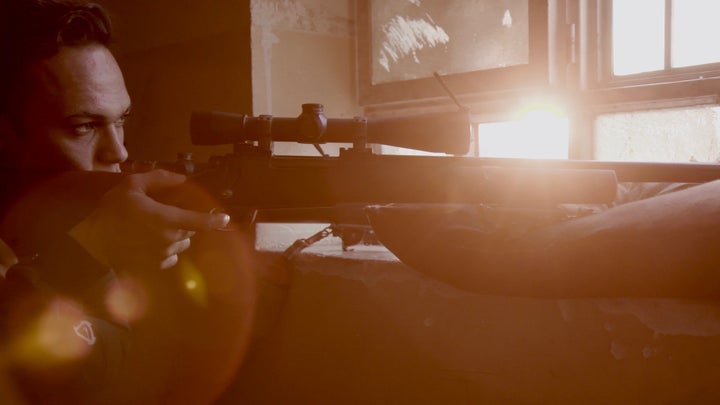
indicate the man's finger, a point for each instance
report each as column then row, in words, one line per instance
column 169, row 262
column 179, row 218
column 178, row 247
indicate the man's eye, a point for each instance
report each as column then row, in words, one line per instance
column 82, row 129
column 120, row 122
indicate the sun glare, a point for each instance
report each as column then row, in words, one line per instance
column 539, row 132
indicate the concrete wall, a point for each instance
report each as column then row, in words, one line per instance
column 363, row 329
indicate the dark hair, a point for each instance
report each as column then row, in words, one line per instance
column 33, row 30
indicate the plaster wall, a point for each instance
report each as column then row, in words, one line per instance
column 303, row 52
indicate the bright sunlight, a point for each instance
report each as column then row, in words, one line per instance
column 540, row 132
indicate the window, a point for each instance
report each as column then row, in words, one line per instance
column 635, row 49
column 653, row 41
column 660, row 35
column 688, row 134
column 650, row 79
column 615, row 66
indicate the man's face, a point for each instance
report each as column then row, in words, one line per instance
column 74, row 112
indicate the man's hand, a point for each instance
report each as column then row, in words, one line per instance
column 129, row 229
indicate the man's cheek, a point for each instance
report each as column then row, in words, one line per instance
column 76, row 153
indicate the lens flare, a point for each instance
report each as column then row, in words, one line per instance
column 193, row 281
column 126, row 300
column 60, row 334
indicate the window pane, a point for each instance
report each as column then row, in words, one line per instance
column 638, row 36
column 695, row 32
column 668, row 135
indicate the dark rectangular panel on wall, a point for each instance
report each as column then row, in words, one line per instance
column 477, row 45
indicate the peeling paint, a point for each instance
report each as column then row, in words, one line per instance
column 669, row 316
column 507, row 19
column 608, row 326
column 565, row 310
column 618, row 350
column 665, row 317
column 297, row 15
column 406, row 36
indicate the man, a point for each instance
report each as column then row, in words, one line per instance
column 82, row 239
column 78, row 90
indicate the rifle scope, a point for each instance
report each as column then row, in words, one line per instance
column 445, row 132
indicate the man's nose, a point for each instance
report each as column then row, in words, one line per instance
column 111, row 149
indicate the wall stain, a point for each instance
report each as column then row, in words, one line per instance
column 301, row 16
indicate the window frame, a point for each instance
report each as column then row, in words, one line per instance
column 665, row 84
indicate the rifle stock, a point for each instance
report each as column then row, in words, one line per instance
column 303, row 182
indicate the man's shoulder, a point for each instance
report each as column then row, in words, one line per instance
column 40, row 209
column 36, row 203
column 14, row 184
